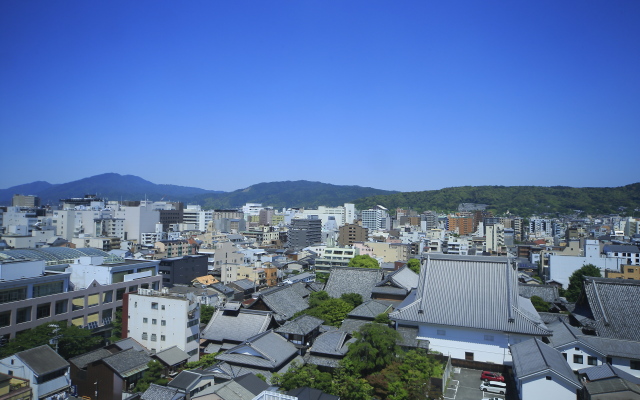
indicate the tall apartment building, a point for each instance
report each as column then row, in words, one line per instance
column 159, row 320
column 303, row 233
column 461, row 224
column 376, row 218
column 351, row 233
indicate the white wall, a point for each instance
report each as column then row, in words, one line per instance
column 540, row 388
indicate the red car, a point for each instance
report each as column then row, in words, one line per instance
column 491, row 376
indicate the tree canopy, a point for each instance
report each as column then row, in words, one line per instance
column 206, row 312
column 375, row 348
column 539, row 304
column 414, row 265
column 575, row 281
column 152, row 375
column 364, row 261
column 72, row 340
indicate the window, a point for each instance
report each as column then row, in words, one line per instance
column 634, row 364
column 43, row 310
column 77, row 303
column 133, row 288
column 46, row 289
column 119, row 294
column 468, row 356
column 191, row 323
column 154, row 321
column 163, row 306
column 93, row 300
column 9, row 295
column 163, row 322
column 154, row 338
column 488, row 338
column 577, row 359
column 5, row 318
column 144, row 336
column 441, row 332
column 192, row 338
column 154, row 306
column 192, row 352
column 145, row 320
column 609, row 360
column 162, row 338
column 23, row 315
column 61, row 306
column 592, row 360
column 548, row 378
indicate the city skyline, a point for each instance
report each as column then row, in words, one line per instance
column 406, row 96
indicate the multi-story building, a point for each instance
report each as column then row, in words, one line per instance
column 377, row 218
column 138, row 219
column 460, row 224
column 182, row 270
column 303, row 233
column 20, row 200
column 495, row 239
column 82, row 286
column 175, row 248
column 335, row 257
column 160, row 320
column 348, row 234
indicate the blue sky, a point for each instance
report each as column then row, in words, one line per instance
column 401, row 95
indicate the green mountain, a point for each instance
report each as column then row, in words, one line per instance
column 519, row 200
column 108, row 186
column 289, row 194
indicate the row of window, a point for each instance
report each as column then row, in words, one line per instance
column 154, row 321
column 154, row 337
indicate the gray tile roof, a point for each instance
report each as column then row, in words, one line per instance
column 128, row 362
column 396, row 291
column 352, row 325
column 284, row 302
column 225, row 370
column 353, row 280
column 472, row 292
column 303, row 325
column 612, row 389
column 369, row 309
column 620, row 248
column 130, row 343
column 172, row 356
column 252, row 383
column 409, row 338
column 548, row 293
column 236, row 326
column 606, row 371
column 302, row 289
column 404, row 278
column 267, row 350
column 229, row 390
column 85, row 359
column 563, row 334
column 186, row 379
column 332, row 343
column 42, row 360
column 157, row 392
column 245, row 284
column 531, row 357
column 612, row 306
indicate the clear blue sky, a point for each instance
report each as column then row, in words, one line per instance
column 402, row 95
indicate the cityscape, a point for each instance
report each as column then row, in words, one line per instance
column 118, row 299
column 319, row 200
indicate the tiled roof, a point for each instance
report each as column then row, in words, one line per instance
column 307, row 393
column 353, row 280
column 389, row 290
column 532, row 356
column 613, row 307
column 301, row 288
column 284, row 302
column 606, row 371
column 225, row 370
column 42, row 360
column 405, row 278
column 157, row 392
column 267, row 350
column 613, row 388
column 185, row 379
column 128, row 362
column 548, row 293
column 130, row 343
column 85, row 359
column 409, row 337
column 563, row 334
column 369, row 309
column 252, row 383
column 333, row 343
column 620, row 248
column 236, row 326
column 472, row 292
column 302, row 325
column 172, row 356
column 245, row 284
column 229, row 390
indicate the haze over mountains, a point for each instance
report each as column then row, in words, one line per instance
column 521, row 200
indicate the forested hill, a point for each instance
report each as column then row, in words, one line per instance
column 519, row 200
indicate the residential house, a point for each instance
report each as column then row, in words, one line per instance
column 542, row 372
column 46, row 371
column 396, row 285
column 468, row 307
column 301, row 331
column 192, row 382
column 157, row 392
column 353, row 280
column 173, row 359
column 328, row 349
column 245, row 387
column 283, row 301
column 606, row 382
column 232, row 325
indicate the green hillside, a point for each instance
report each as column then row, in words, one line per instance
column 519, row 200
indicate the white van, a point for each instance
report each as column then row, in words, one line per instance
column 494, row 387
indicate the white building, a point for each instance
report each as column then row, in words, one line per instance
column 561, row 267
column 160, row 320
column 142, row 218
column 377, row 218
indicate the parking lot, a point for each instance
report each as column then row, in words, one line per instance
column 465, row 385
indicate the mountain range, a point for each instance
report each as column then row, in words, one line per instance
column 518, row 200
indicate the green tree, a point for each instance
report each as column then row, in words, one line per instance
column 382, row 318
column 414, row 265
column 539, row 304
column 153, row 374
column 72, row 341
column 355, row 299
column 364, row 261
column 576, row 279
column 116, row 326
column 375, row 348
column 303, row 375
column 205, row 361
column 316, row 298
column 206, row 312
column 332, row 311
